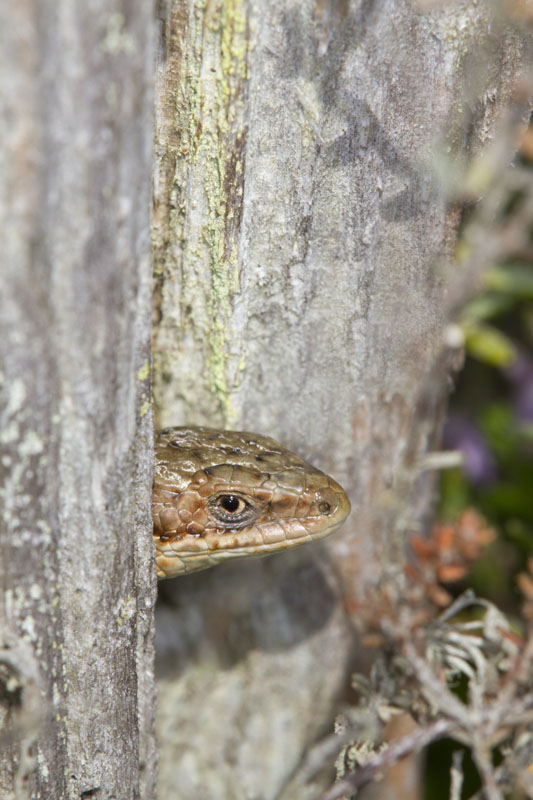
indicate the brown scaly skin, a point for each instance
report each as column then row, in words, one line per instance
column 225, row 494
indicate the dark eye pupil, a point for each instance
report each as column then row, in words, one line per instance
column 229, row 502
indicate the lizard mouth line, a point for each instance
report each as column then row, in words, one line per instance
column 181, row 561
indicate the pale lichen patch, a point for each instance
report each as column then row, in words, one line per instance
column 144, row 371
column 28, row 628
column 9, row 433
column 126, row 610
column 35, row 591
column 31, row 445
column 16, row 398
column 117, row 39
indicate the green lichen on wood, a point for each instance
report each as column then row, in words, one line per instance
column 223, row 190
column 200, row 145
column 144, row 371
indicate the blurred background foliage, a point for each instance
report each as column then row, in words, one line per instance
column 490, row 423
column 491, row 410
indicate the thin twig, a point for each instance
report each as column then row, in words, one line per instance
column 456, row 775
column 322, row 753
column 436, row 693
column 481, row 756
column 411, row 743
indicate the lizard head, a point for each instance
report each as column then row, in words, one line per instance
column 223, row 494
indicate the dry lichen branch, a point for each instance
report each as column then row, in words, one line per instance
column 419, row 665
column 415, row 674
column 378, row 763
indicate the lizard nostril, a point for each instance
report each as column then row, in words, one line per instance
column 327, row 502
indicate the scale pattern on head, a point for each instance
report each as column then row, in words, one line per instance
column 224, row 494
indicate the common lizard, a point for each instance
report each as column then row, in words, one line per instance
column 219, row 495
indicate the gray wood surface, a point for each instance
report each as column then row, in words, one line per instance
column 75, row 540
column 301, row 241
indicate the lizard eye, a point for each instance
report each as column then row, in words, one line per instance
column 231, row 503
column 232, row 510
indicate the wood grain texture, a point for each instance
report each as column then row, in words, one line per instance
column 301, row 238
column 75, row 540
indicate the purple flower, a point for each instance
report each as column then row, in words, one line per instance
column 462, row 434
column 520, row 375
